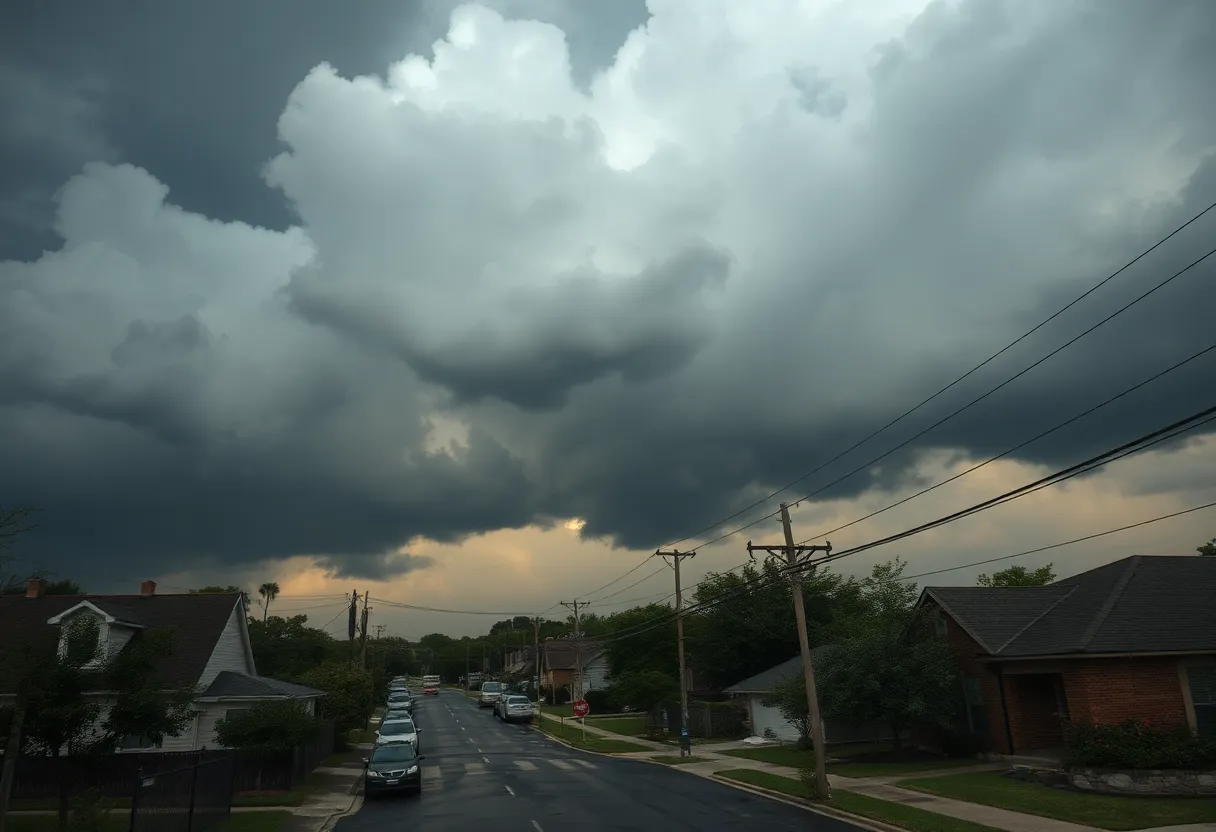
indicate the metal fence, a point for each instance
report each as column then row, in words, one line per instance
column 189, row 798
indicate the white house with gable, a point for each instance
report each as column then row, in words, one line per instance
column 211, row 648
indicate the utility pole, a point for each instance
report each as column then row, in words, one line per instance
column 363, row 633
column 676, row 556
column 536, row 659
column 795, row 558
column 351, row 625
column 466, row 667
column 380, row 628
column 577, row 682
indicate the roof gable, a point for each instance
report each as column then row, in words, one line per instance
column 766, row 680
column 196, row 619
column 231, row 685
column 1140, row 604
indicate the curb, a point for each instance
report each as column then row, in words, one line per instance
column 356, row 803
column 857, row 820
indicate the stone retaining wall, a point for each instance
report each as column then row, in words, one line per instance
column 1115, row 781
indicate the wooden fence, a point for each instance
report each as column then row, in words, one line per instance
column 39, row 778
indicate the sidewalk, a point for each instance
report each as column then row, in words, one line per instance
column 612, row 735
column 338, row 797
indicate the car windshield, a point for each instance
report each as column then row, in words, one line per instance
column 393, row 753
column 491, row 687
column 398, row 696
column 401, row 726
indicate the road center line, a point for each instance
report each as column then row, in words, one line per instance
column 485, row 759
column 536, row 826
column 478, row 749
column 510, row 791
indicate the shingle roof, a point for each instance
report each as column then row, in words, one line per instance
column 197, row 620
column 228, row 683
column 1140, row 604
column 560, row 654
column 767, row 680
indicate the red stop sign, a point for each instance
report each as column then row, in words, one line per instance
column 581, row 708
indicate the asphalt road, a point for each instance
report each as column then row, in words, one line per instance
column 482, row 774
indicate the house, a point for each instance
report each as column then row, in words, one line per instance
column 212, row 650
column 559, row 665
column 1135, row 638
column 765, row 718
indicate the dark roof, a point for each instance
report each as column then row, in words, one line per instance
column 1140, row 604
column 228, row 683
column 767, row 680
column 197, row 620
column 560, row 654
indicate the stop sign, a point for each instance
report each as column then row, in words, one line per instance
column 581, row 708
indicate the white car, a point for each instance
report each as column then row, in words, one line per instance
column 514, row 709
column 398, row 730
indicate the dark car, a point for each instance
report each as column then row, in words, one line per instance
column 393, row 768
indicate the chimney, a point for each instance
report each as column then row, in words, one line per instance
column 35, row 588
column 147, row 589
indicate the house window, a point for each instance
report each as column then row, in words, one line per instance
column 1202, row 682
column 80, row 639
column 138, row 742
column 939, row 626
column 977, row 717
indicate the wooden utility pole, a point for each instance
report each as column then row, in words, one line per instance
column 536, row 658
column 363, row 633
column 577, row 683
column 676, row 556
column 795, row 557
column 352, row 624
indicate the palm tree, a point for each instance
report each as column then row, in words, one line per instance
column 269, row 591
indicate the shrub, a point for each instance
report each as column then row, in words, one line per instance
column 271, row 725
column 1137, row 744
column 960, row 744
column 601, row 702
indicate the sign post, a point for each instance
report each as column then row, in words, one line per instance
column 581, row 709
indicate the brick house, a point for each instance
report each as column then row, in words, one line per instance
column 1132, row 639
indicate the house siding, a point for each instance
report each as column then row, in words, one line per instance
column 1112, row 690
column 229, row 652
column 596, row 674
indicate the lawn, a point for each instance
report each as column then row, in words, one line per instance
column 574, row 735
column 629, row 726
column 788, row 755
column 1102, row 811
column 896, row 814
column 121, row 821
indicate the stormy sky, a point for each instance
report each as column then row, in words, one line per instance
column 356, row 285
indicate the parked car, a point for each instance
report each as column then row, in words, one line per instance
column 393, row 767
column 400, row 699
column 396, row 712
column 491, row 692
column 514, row 709
column 399, row 730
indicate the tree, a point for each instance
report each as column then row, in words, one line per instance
column 15, row 521
column 1208, row 549
column 268, row 726
column 59, row 712
column 789, row 697
column 287, row 648
column 350, row 692
column 269, row 591
column 62, row 587
column 645, row 689
column 1019, row 576
column 888, row 665
column 652, row 649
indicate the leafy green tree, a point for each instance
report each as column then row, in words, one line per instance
column 1208, row 549
column 644, row 689
column 754, row 630
column 61, row 587
column 268, row 726
column 287, row 648
column 789, row 697
column 888, row 666
column 350, row 692
column 1019, row 576
column 653, row 648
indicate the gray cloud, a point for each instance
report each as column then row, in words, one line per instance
column 650, row 296
column 382, row 568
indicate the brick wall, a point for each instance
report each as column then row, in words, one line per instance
column 1111, row 690
column 968, row 651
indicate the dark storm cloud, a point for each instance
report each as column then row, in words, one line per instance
column 381, row 568
column 180, row 392
column 190, row 91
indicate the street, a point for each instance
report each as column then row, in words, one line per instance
column 481, row 773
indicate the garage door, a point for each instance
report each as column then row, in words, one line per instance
column 765, row 717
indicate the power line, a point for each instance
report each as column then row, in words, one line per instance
column 1063, row 543
column 973, row 370
column 400, row 605
column 969, row 404
column 1018, row 447
column 1141, row 443
column 935, row 395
